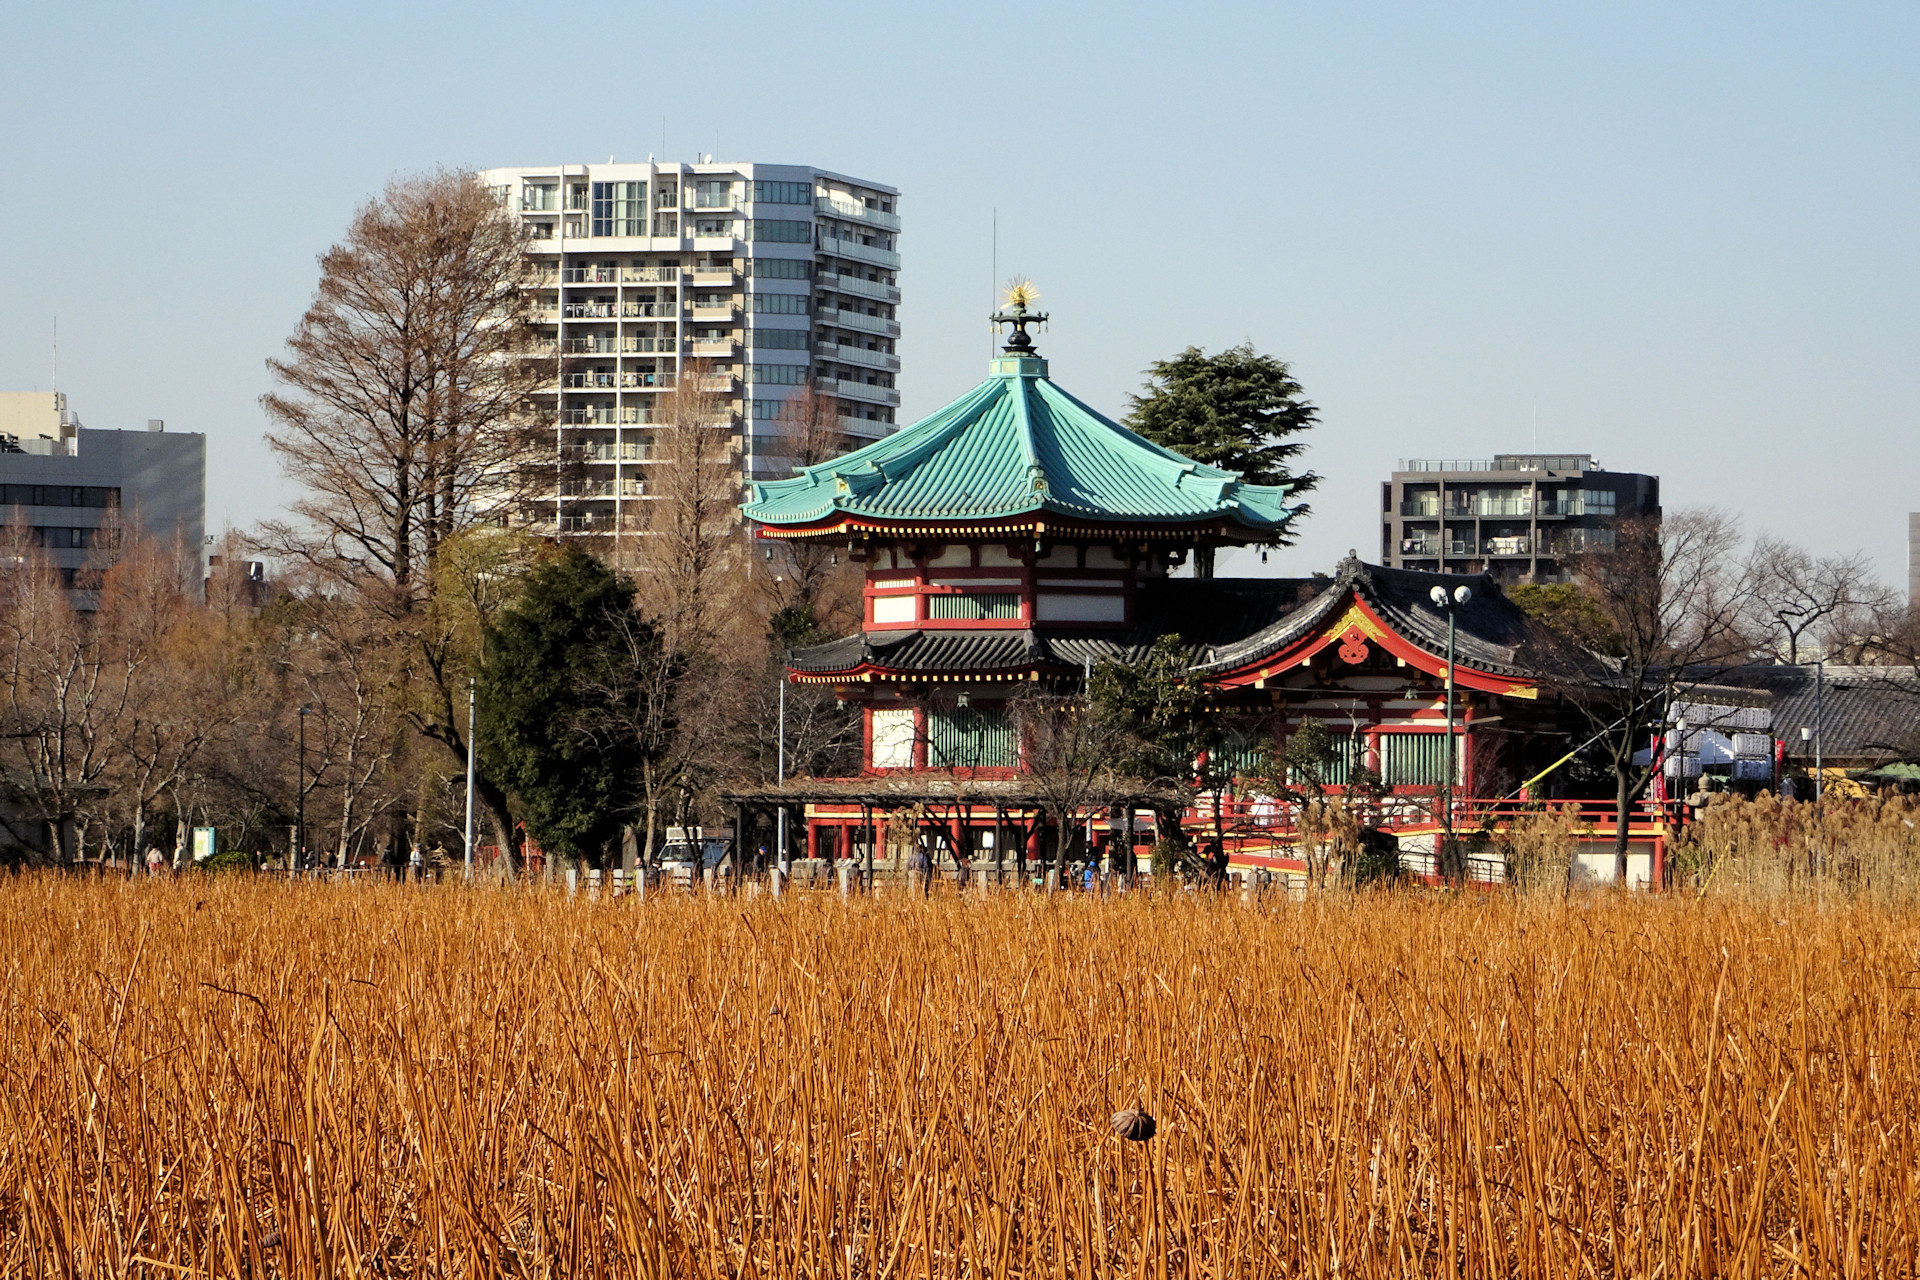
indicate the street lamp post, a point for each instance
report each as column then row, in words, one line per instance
column 1452, row 604
column 299, row 858
column 1819, row 729
column 784, row 862
column 471, row 688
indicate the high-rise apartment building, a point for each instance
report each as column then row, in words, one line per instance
column 1516, row 516
column 772, row 277
column 70, row 491
column 1913, row 559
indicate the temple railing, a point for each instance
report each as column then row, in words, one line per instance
column 1251, row 817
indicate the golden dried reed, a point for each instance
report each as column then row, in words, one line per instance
column 245, row 1079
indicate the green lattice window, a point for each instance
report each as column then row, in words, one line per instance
column 971, row 737
column 1418, row 760
column 1348, row 751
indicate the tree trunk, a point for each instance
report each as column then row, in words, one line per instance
column 1203, row 562
column 652, row 788
column 496, row 801
column 1622, row 801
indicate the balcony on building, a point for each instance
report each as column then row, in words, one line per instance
column 858, row 320
column 859, row 286
column 858, row 252
column 857, row 210
column 860, row 356
column 848, row 389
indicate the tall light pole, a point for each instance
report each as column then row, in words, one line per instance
column 469, row 828
column 780, row 855
column 1819, row 729
column 1452, row 604
column 299, row 858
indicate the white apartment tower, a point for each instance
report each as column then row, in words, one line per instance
column 777, row 276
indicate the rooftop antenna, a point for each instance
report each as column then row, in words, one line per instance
column 993, row 283
column 56, row 352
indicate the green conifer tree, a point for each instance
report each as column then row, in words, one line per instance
column 1237, row 410
column 559, row 686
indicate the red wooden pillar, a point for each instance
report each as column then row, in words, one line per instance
column 813, row 838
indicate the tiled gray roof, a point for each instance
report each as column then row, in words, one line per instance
column 1863, row 713
column 1224, row 622
column 1492, row 633
column 1204, row 613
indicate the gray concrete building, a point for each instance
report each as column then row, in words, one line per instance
column 69, row 490
column 1516, row 516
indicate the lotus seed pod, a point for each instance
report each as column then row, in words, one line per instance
column 1133, row 1124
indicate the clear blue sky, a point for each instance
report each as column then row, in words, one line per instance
column 1683, row 236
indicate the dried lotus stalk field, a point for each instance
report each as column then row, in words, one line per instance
column 228, row 1078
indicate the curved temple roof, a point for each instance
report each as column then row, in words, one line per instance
column 1234, row 629
column 1017, row 445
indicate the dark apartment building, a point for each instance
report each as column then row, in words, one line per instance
column 1516, row 515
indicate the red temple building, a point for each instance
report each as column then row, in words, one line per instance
column 1017, row 538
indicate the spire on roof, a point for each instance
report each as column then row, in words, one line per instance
column 1015, row 311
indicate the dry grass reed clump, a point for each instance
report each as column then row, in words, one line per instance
column 244, row 1079
column 1767, row 847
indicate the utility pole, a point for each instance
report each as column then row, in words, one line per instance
column 780, row 855
column 471, row 687
column 298, row 857
column 1819, row 728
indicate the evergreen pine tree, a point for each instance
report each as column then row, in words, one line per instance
column 559, row 669
column 1236, row 410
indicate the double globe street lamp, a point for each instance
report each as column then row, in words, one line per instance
column 1451, row 603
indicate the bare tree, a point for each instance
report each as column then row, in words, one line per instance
column 1071, row 750
column 692, row 557
column 185, row 694
column 79, row 684
column 691, row 568
column 1674, row 594
column 404, row 415
column 1796, row 597
column 810, row 588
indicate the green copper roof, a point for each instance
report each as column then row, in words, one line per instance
column 1016, row 445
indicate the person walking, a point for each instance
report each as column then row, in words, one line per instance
column 920, row 867
column 155, row 860
column 417, row 863
column 1216, row 865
